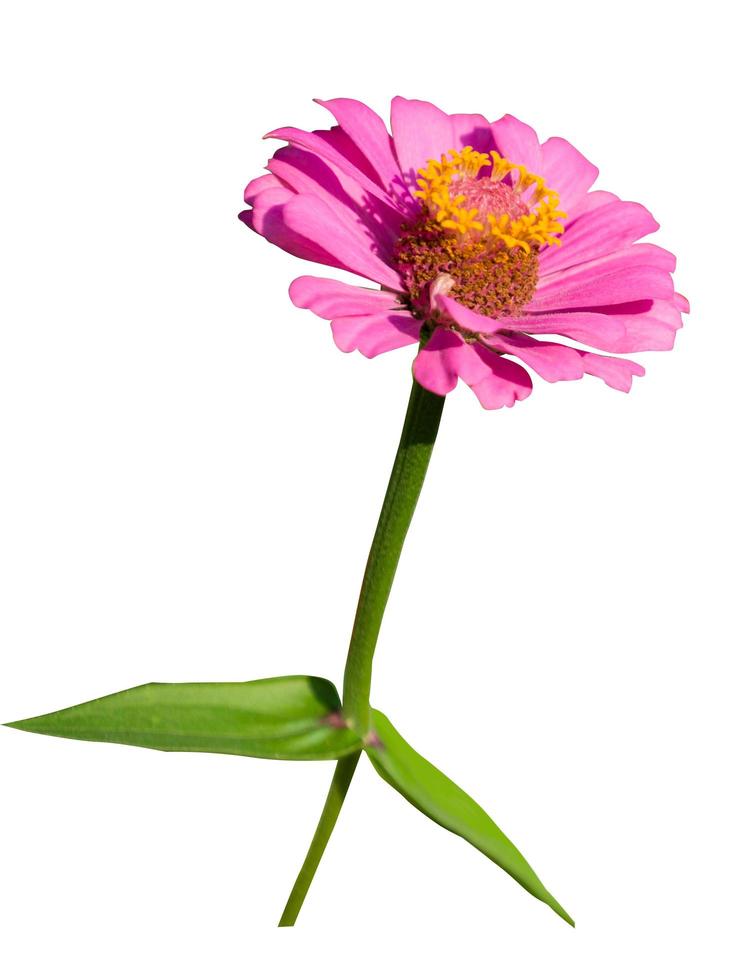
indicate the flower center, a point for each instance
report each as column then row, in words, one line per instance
column 482, row 224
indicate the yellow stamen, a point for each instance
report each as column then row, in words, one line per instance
column 436, row 187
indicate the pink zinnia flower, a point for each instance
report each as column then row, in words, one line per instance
column 482, row 239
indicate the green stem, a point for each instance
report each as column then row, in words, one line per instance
column 409, row 468
column 333, row 803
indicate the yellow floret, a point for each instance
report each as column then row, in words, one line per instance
column 435, row 188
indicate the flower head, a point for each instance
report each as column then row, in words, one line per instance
column 482, row 240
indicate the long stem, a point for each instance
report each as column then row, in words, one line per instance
column 333, row 802
column 409, row 468
column 415, row 448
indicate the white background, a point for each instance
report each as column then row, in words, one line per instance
column 191, row 473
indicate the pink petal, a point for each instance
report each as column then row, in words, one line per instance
column 363, row 319
column 637, row 272
column 598, row 232
column 330, row 298
column 255, row 187
column 307, row 173
column 443, row 360
column 553, row 362
column 338, row 139
column 681, row 303
column 654, row 330
column 367, row 130
column 648, row 325
column 643, row 253
column 506, row 384
column 315, row 143
column 471, row 130
column 266, row 218
column 399, row 200
column 466, row 318
column 446, row 358
column 621, row 329
column 314, row 220
column 376, row 333
column 518, row 142
column 266, row 199
column 595, row 199
column 391, row 210
column 567, row 171
column 421, row 132
column 584, row 326
column 590, row 328
column 615, row 371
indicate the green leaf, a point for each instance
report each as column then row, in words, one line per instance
column 443, row 801
column 276, row 718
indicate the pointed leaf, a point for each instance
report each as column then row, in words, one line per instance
column 294, row 717
column 443, row 801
